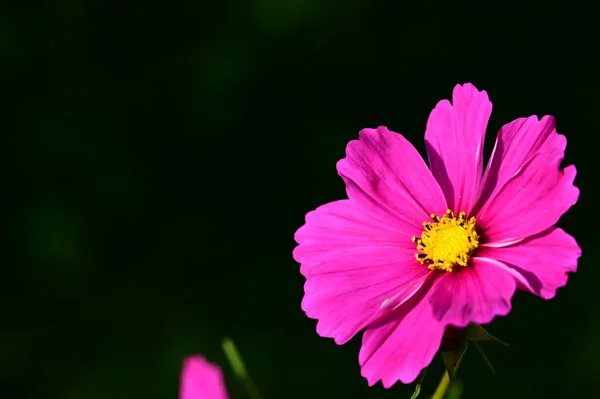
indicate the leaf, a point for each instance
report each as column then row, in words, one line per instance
column 419, row 383
column 417, row 391
column 452, row 359
column 475, row 332
column 456, row 390
column 485, row 359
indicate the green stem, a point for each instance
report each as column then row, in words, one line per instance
column 251, row 388
column 239, row 369
column 442, row 388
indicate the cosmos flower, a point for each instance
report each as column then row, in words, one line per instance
column 201, row 379
column 415, row 248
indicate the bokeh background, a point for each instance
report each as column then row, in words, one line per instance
column 157, row 158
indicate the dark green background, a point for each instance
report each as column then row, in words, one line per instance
column 156, row 160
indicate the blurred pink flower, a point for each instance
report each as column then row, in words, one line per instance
column 415, row 249
column 201, row 379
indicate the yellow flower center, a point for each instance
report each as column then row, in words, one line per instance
column 447, row 242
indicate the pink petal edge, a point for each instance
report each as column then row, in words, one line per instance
column 476, row 294
column 201, row 379
column 387, row 179
column 524, row 192
column 516, row 144
column 454, row 140
column 541, row 263
column 353, row 265
column 398, row 349
column 530, row 202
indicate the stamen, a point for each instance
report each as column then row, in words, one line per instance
column 447, row 242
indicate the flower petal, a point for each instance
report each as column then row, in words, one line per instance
column 524, row 192
column 530, row 202
column 388, row 180
column 542, row 261
column 517, row 143
column 476, row 294
column 201, row 379
column 454, row 140
column 403, row 346
column 352, row 265
column 338, row 227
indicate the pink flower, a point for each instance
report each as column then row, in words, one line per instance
column 201, row 379
column 415, row 249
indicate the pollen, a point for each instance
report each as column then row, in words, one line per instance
column 447, row 242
